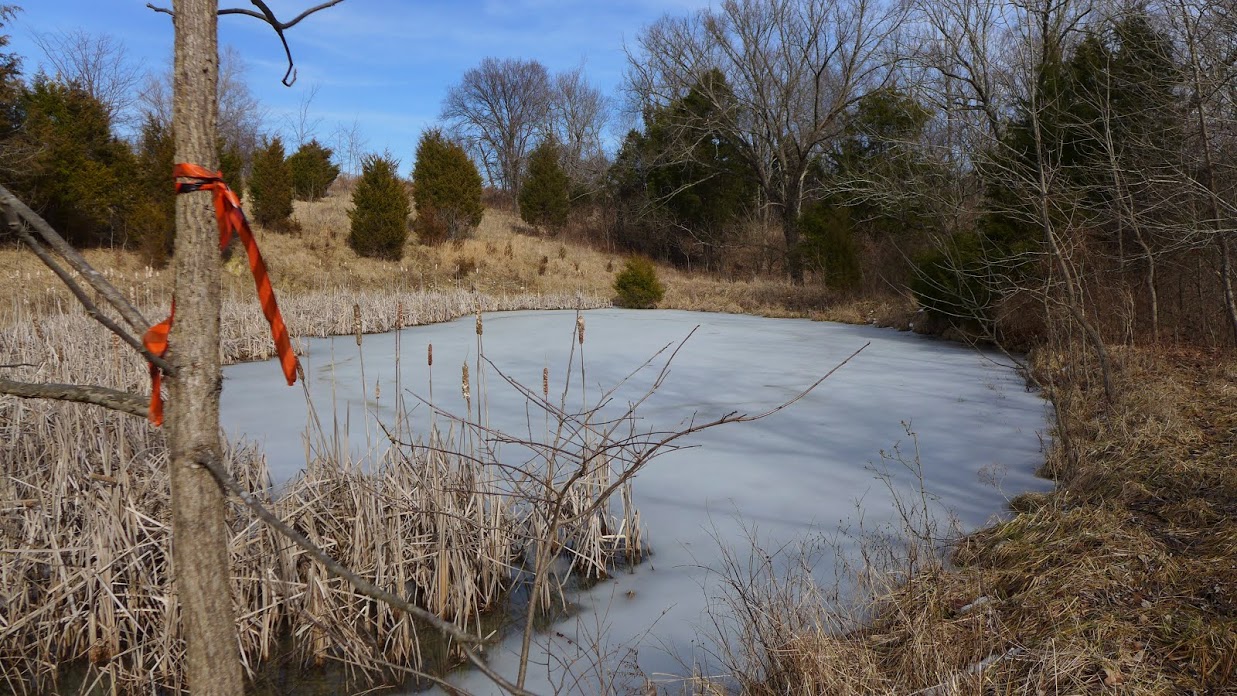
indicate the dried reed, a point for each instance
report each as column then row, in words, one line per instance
column 84, row 558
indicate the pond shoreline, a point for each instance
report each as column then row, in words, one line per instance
column 597, row 323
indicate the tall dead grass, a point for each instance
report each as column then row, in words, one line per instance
column 87, row 592
column 1122, row 580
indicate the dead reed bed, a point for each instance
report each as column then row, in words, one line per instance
column 87, row 592
column 1121, row 580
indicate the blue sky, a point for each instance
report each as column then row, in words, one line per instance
column 385, row 63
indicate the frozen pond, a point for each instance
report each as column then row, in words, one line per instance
column 802, row 470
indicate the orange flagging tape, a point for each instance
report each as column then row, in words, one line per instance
column 231, row 221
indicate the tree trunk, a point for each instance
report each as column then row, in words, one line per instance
column 1152, row 294
column 199, row 533
column 792, row 204
column 1226, row 282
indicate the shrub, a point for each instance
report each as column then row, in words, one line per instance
column 637, row 285
column 828, row 246
column 446, row 190
column 380, row 210
column 545, row 196
column 270, row 188
column 950, row 281
column 312, row 171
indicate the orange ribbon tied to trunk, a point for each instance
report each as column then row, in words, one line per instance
column 231, row 221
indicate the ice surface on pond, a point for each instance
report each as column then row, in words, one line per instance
column 802, row 470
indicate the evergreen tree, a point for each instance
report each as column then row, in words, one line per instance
column 312, row 171
column 637, row 284
column 270, row 187
column 828, row 246
column 231, row 164
column 446, row 189
column 12, row 91
column 544, row 197
column 685, row 209
column 152, row 221
column 380, row 213
column 77, row 173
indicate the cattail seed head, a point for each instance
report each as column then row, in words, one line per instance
column 580, row 328
column 377, row 390
column 478, row 322
column 545, row 382
column 429, row 355
column 464, row 388
column 356, row 322
column 399, row 316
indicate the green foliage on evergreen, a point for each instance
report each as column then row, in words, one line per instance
column 953, row 281
column 380, row 210
column 74, row 170
column 270, row 188
column 11, row 88
column 446, row 188
column 152, row 221
column 881, row 150
column 681, row 187
column 544, row 196
column 231, row 165
column 637, row 284
column 312, row 171
column 828, row 246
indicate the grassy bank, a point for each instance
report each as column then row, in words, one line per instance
column 1121, row 580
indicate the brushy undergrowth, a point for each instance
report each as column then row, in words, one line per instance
column 1122, row 580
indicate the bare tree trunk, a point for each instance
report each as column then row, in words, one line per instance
column 791, row 209
column 1226, row 281
column 199, row 532
column 1074, row 291
column 1222, row 242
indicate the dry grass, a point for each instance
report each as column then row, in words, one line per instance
column 1122, row 580
column 84, row 531
column 502, row 259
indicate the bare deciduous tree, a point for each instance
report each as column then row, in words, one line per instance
column 497, row 112
column 302, row 124
column 240, row 113
column 349, row 146
column 792, row 72
column 579, row 112
column 1208, row 32
column 99, row 64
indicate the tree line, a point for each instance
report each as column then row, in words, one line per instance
column 1007, row 162
column 1012, row 164
column 90, row 146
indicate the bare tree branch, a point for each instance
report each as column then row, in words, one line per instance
column 16, row 226
column 79, row 393
column 96, row 280
column 265, row 14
